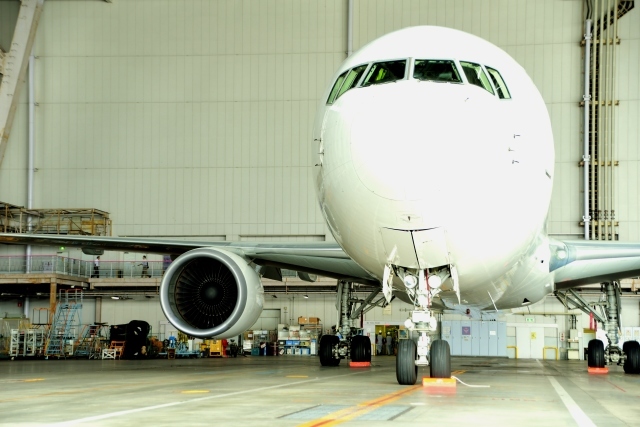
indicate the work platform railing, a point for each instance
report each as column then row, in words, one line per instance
column 58, row 264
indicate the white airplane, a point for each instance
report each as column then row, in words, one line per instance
column 434, row 157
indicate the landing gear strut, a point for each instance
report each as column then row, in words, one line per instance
column 346, row 343
column 600, row 355
column 421, row 289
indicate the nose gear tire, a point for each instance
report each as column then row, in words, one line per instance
column 440, row 359
column 406, row 369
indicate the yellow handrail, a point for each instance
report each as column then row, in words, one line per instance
column 515, row 347
column 549, row 348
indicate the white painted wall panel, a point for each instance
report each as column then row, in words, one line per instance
column 173, row 115
column 626, row 126
column 194, row 117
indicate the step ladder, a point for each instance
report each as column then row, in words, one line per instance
column 66, row 322
column 16, row 343
column 91, row 342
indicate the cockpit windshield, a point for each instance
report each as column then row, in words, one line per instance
column 385, row 72
column 352, row 79
column 498, row 82
column 433, row 70
column 436, row 70
column 476, row 75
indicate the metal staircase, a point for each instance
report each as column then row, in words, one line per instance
column 66, row 323
column 91, row 341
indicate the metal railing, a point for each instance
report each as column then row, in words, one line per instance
column 39, row 264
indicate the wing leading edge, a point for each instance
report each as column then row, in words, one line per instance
column 582, row 262
column 322, row 258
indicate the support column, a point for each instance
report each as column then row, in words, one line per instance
column 98, row 310
column 53, row 291
column 15, row 66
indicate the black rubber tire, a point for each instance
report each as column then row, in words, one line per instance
column 440, row 359
column 360, row 349
column 327, row 342
column 632, row 362
column 626, row 345
column 595, row 358
column 406, row 369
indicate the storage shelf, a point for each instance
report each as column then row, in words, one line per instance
column 300, row 347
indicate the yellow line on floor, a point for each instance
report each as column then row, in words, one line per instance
column 352, row 412
column 458, row 372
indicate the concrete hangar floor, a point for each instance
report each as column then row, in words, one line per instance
column 297, row 391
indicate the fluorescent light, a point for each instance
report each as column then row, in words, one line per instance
column 305, row 296
column 115, row 297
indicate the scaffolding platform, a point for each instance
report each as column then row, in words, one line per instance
column 81, row 221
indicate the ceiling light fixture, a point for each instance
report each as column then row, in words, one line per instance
column 305, row 296
column 115, row 297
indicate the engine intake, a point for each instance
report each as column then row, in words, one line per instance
column 211, row 293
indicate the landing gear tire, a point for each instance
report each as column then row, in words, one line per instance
column 595, row 358
column 360, row 349
column 632, row 362
column 406, row 369
column 327, row 343
column 440, row 359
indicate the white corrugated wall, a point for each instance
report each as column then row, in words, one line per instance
column 194, row 117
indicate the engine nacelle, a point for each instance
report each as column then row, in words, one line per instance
column 211, row 293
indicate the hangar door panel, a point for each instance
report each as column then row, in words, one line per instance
column 530, row 342
column 475, row 338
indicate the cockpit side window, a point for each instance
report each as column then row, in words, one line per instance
column 476, row 75
column 498, row 82
column 352, row 79
column 385, row 72
column 336, row 88
column 436, row 70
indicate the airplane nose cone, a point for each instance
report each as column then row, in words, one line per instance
column 404, row 139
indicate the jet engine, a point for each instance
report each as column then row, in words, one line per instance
column 211, row 293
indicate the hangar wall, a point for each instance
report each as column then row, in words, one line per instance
column 193, row 118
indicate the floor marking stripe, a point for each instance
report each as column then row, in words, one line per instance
column 581, row 418
column 187, row 377
column 348, row 414
column 181, row 402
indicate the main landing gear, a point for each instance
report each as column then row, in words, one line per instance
column 346, row 343
column 598, row 356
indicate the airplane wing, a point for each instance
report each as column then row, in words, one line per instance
column 582, row 262
column 321, row 258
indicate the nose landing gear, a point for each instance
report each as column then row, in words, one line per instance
column 411, row 355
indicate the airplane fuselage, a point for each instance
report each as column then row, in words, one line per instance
column 421, row 173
